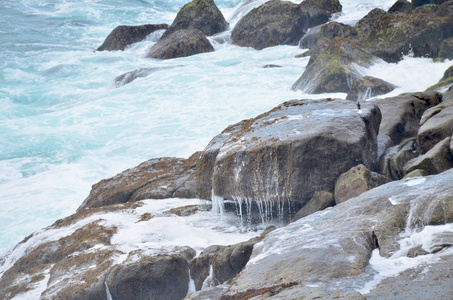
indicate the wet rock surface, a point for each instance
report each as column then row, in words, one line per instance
column 157, row 178
column 202, row 15
column 281, row 22
column 368, row 87
column 123, row 36
column 287, row 153
column 181, row 43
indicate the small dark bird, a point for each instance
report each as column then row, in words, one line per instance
column 358, row 104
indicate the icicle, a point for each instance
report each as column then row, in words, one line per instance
column 107, row 291
column 210, row 280
column 249, row 211
column 191, row 289
column 239, row 201
column 408, row 230
column 218, row 206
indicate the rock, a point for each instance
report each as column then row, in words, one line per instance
column 355, row 182
column 401, row 114
column 320, row 200
column 416, row 173
column 401, row 6
column 203, row 15
column 273, row 23
column 310, row 39
column 435, row 161
column 334, row 68
column 140, row 73
column 427, row 9
column 281, row 22
column 446, row 9
column 157, row 178
column 365, row 25
column 287, row 153
column 395, row 158
column 123, row 36
column 436, row 125
column 200, row 266
column 158, row 277
column 271, row 66
column 444, row 83
column 396, row 34
column 320, row 11
column 331, row 250
column 305, row 54
column 230, row 260
column 446, row 49
column 324, row 35
column 369, row 87
column 180, row 43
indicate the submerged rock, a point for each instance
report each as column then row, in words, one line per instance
column 369, row 87
column 140, row 73
column 288, row 153
column 157, row 178
column 180, row 43
column 335, row 68
column 203, row 15
column 123, row 36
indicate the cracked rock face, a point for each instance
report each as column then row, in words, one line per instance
column 290, row 152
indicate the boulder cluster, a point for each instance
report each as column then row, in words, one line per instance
column 354, row 182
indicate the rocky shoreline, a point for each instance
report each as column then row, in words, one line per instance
column 362, row 190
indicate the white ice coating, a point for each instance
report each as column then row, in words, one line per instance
column 415, row 181
column 210, row 280
column 399, row 262
column 191, row 287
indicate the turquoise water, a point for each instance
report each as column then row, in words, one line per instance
column 64, row 125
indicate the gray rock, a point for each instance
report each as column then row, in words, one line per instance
column 365, row 25
column 446, row 49
column 401, row 114
column 445, row 82
column 395, row 158
column 180, row 43
column 436, row 160
column 416, row 173
column 446, row 9
column 369, row 87
column 122, row 36
column 335, row 68
column 401, row 6
column 273, row 23
column 355, row 182
column 140, row 73
column 286, row 153
column 436, row 125
column 396, row 34
column 203, row 15
column 157, row 178
column 200, row 266
column 427, row 9
column 320, row 201
column 157, row 277
column 281, row 22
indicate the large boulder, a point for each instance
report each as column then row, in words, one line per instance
column 181, row 43
column 157, row 178
column 273, row 23
column 401, row 115
column 368, row 22
column 401, row 230
column 279, row 22
column 396, row 34
column 335, row 68
column 203, row 15
column 288, row 153
column 355, row 182
column 401, row 5
column 152, row 278
column 123, row 36
column 446, row 49
column 369, row 87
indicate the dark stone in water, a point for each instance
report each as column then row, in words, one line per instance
column 122, row 36
column 140, row 73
